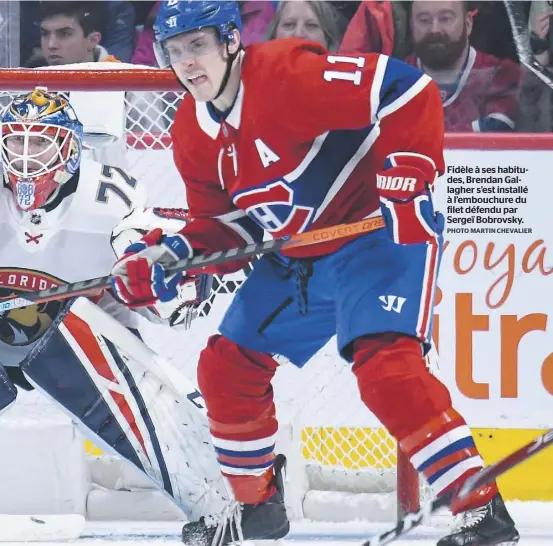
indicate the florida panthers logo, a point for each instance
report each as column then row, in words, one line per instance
column 273, row 208
column 27, row 324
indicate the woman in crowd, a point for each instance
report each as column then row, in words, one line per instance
column 318, row 21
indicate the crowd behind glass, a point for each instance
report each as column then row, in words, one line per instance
column 467, row 47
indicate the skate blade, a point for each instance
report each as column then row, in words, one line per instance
column 266, row 542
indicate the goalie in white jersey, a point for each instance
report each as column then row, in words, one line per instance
column 57, row 217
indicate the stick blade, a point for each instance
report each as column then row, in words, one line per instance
column 39, row 528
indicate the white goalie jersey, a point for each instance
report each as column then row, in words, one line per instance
column 60, row 244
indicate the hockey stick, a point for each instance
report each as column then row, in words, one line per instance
column 483, row 477
column 521, row 38
column 93, row 286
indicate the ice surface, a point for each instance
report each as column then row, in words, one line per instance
column 535, row 521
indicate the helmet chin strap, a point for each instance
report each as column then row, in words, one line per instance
column 230, row 60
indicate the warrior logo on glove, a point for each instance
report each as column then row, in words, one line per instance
column 405, row 188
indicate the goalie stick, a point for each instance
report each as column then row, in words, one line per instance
column 93, row 286
column 486, row 475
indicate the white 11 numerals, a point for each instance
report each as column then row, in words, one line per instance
column 354, row 77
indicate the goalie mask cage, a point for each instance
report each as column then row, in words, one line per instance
column 342, row 464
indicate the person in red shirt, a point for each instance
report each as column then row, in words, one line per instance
column 479, row 91
column 282, row 138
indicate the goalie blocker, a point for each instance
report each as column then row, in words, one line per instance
column 131, row 403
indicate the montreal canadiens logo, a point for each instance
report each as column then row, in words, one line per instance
column 25, row 325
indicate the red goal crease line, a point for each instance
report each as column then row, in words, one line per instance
column 499, row 141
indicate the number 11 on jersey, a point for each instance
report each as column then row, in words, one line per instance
column 354, row 76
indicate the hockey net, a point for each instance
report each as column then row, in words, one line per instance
column 342, row 464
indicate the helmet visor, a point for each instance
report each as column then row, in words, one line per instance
column 186, row 46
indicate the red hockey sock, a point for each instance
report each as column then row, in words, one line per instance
column 477, row 498
column 415, row 407
column 236, row 385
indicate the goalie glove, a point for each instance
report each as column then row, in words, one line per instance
column 405, row 189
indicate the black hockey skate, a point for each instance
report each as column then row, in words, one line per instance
column 239, row 522
column 489, row 525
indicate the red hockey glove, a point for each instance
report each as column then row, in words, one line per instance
column 405, row 190
column 139, row 277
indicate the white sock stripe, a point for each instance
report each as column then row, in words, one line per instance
column 440, row 443
column 243, row 471
column 454, row 473
column 244, row 445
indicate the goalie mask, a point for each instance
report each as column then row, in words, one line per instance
column 41, row 147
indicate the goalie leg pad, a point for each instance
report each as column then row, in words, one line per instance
column 236, row 385
column 8, row 391
column 415, row 407
column 128, row 404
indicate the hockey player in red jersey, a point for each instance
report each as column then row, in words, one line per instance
column 282, row 138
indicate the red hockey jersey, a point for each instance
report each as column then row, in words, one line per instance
column 301, row 146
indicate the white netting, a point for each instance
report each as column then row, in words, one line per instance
column 333, row 443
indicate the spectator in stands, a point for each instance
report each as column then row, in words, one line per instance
column 383, row 27
column 536, row 100
column 119, row 35
column 144, row 50
column 479, row 91
column 541, row 37
column 491, row 31
column 379, row 27
column 317, row 21
column 256, row 20
column 347, row 9
column 70, row 32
